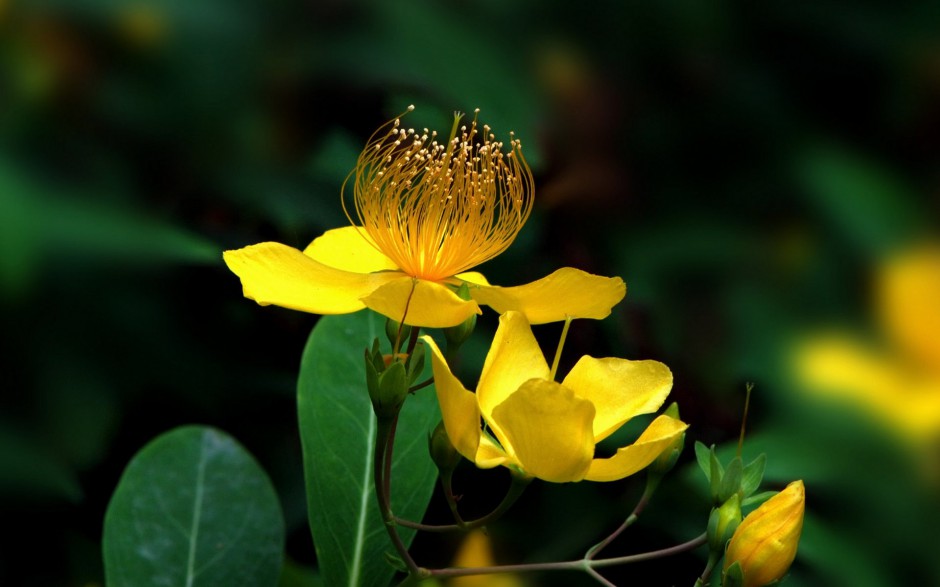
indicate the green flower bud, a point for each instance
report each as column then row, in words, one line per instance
column 388, row 387
column 722, row 523
column 442, row 450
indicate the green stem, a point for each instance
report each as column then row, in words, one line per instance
column 561, row 344
column 386, row 428
column 575, row 565
column 709, row 567
column 634, row 515
column 515, row 490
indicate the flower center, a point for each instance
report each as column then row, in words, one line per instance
column 438, row 209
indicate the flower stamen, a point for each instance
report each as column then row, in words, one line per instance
column 438, row 209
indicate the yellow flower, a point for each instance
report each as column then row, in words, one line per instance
column 908, row 292
column 547, row 429
column 898, row 381
column 843, row 368
column 427, row 213
column 766, row 541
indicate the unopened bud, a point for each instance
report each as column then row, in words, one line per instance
column 388, row 388
column 442, row 450
column 722, row 523
column 765, row 543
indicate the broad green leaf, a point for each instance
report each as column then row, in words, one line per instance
column 193, row 509
column 338, row 430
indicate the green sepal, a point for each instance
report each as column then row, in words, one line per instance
column 378, row 361
column 395, row 561
column 733, row 576
column 391, row 333
column 753, row 475
column 758, row 498
column 702, row 456
column 731, row 480
column 717, row 472
column 415, row 363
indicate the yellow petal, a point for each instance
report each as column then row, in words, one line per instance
column 657, row 437
column 350, row 249
column 473, row 278
column 619, row 389
column 514, row 358
column 459, row 408
column 908, row 292
column 272, row 273
column 565, row 293
column 549, row 429
column 429, row 304
column 491, row 455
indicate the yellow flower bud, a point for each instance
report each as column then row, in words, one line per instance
column 765, row 543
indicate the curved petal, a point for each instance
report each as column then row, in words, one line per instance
column 565, row 293
column 491, row 455
column 350, row 249
column 272, row 273
column 619, row 389
column 459, row 408
column 657, row 437
column 514, row 358
column 549, row 429
column 428, row 304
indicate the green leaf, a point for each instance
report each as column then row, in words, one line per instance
column 703, row 457
column 753, row 474
column 193, row 509
column 338, row 428
column 731, row 480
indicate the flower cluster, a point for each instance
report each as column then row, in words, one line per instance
column 426, row 213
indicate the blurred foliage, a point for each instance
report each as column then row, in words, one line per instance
column 747, row 169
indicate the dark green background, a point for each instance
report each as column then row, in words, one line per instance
column 743, row 166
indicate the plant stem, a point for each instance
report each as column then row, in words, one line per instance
column 515, row 490
column 561, row 344
column 386, row 429
column 575, row 565
column 637, row 510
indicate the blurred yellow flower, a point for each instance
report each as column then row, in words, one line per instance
column 427, row 213
column 909, row 304
column 546, row 429
column 765, row 543
column 476, row 550
column 897, row 382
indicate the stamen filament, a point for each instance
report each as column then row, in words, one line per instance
column 561, row 344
